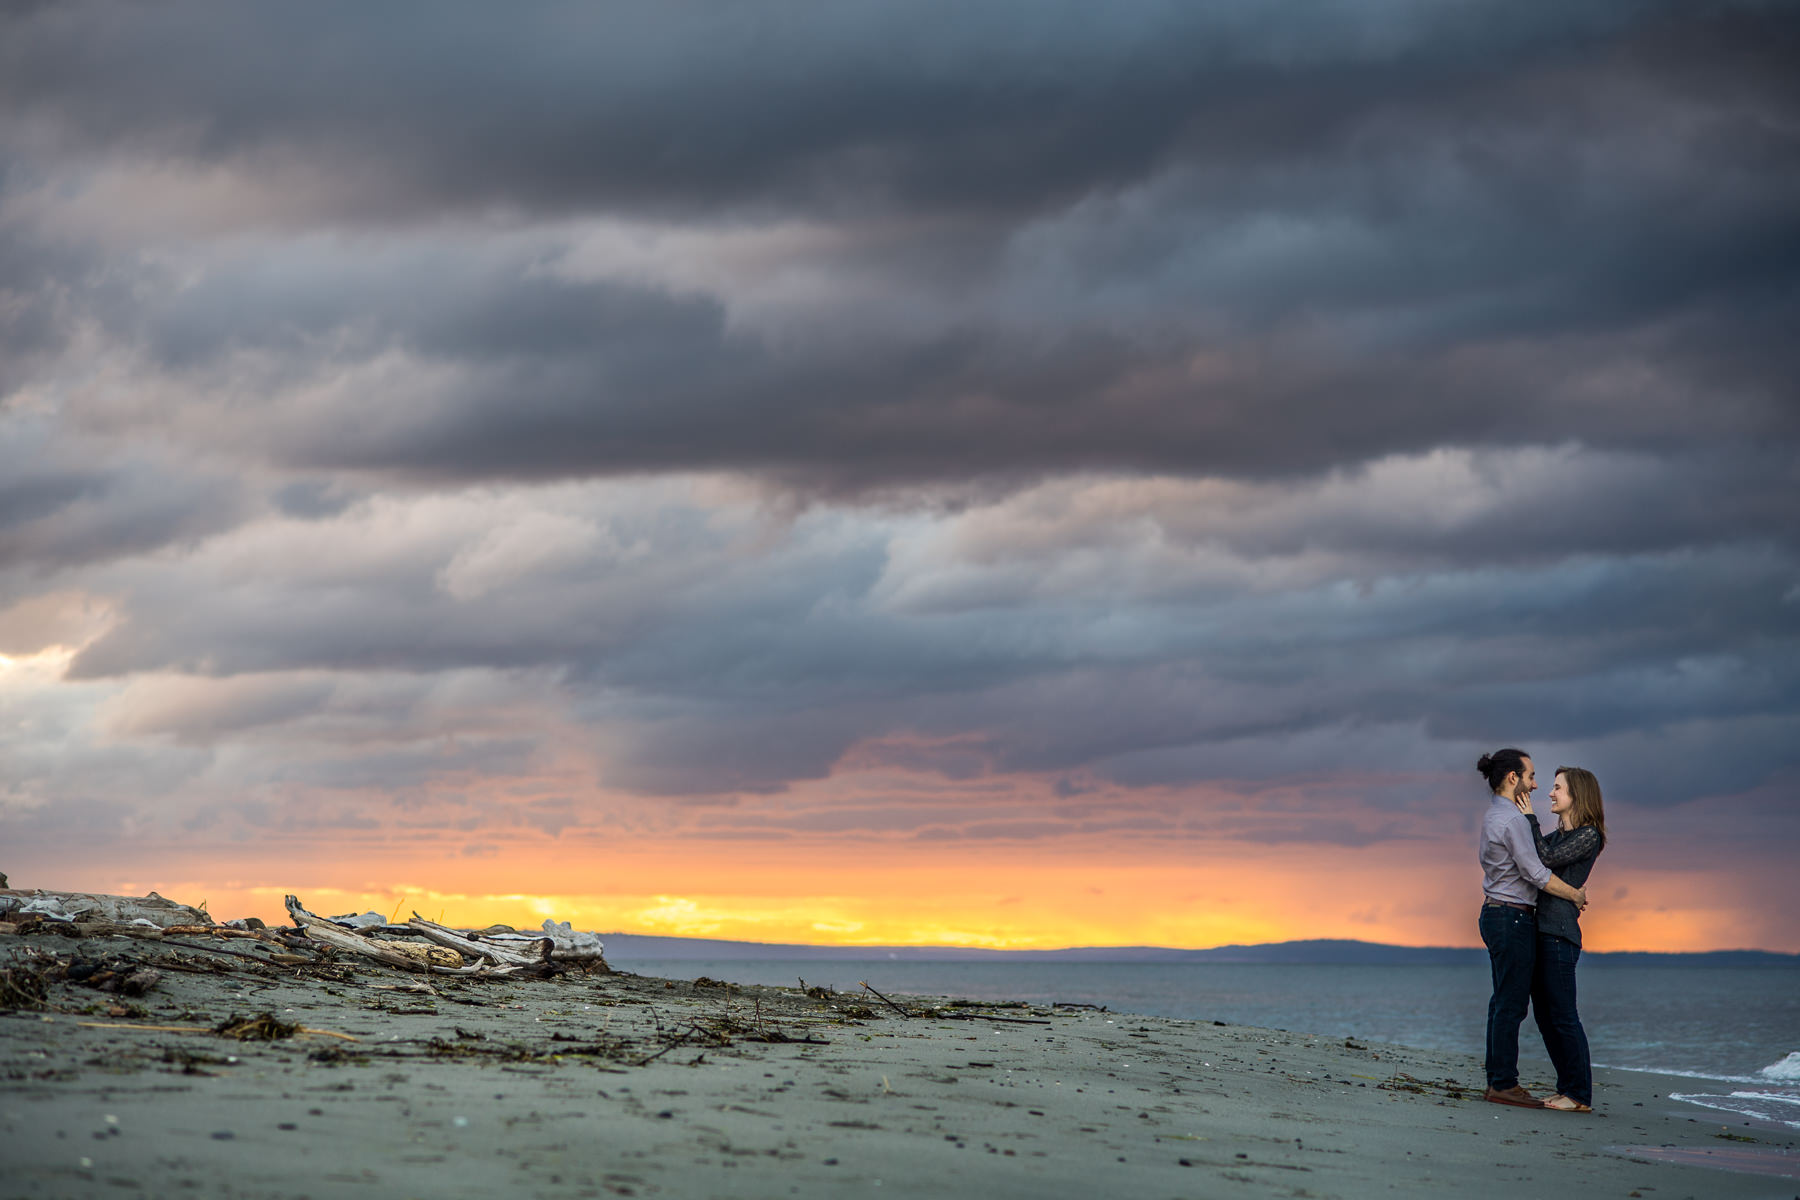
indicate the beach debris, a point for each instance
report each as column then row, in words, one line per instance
column 567, row 944
column 152, row 911
column 950, row 1015
column 408, row 955
column 221, row 1030
column 1450, row 1089
column 309, row 947
column 263, row 1028
column 23, row 987
column 360, row 921
column 955, row 1010
column 33, row 970
column 468, row 946
column 862, row 983
column 258, row 959
column 437, row 956
column 129, row 980
column 498, row 950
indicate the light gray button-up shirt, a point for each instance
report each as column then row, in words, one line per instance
column 1510, row 866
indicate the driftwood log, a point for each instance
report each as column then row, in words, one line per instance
column 469, row 947
column 567, row 945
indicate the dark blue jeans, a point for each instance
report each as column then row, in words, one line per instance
column 1511, row 937
column 1553, row 1004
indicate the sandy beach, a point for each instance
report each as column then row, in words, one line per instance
column 614, row 1084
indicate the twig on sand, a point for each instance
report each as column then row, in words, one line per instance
column 862, row 983
column 677, row 1040
column 200, row 1029
column 255, row 958
column 950, row 1016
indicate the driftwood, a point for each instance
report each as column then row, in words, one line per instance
column 498, row 952
column 383, row 952
column 408, row 956
column 567, row 944
column 470, row 948
column 437, row 956
column 89, row 907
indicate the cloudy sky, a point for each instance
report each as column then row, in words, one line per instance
column 995, row 473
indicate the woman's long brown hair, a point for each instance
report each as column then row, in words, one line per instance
column 1584, row 790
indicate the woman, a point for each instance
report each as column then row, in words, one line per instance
column 1570, row 851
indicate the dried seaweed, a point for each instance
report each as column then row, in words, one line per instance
column 265, row 1027
column 1448, row 1088
column 23, row 987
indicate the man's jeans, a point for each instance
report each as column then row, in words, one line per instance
column 1553, row 1004
column 1511, row 938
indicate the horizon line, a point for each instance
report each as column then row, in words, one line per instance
column 848, row 946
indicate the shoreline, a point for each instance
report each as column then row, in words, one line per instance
column 620, row 1084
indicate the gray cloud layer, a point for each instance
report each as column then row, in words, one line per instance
column 1201, row 238
column 1149, row 393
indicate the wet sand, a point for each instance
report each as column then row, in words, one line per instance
column 603, row 1085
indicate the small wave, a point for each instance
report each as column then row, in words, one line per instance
column 1787, row 1068
column 1759, row 1106
column 1764, row 1079
column 1770, row 1097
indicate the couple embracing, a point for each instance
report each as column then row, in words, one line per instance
column 1533, row 893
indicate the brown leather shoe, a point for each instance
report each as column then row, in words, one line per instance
column 1514, row 1095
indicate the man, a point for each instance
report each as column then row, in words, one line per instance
column 1512, row 875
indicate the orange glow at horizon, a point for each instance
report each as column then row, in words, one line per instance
column 1008, row 898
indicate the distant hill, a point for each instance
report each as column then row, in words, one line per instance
column 623, row 948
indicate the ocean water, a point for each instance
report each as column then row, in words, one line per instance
column 1731, row 1033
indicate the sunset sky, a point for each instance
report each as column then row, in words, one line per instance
column 1014, row 474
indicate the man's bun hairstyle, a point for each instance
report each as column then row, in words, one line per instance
column 1497, row 766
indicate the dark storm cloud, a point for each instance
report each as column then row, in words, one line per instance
column 534, row 376
column 913, row 105
column 1194, row 238
column 575, row 106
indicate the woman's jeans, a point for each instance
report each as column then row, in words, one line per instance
column 1511, row 937
column 1553, row 1003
